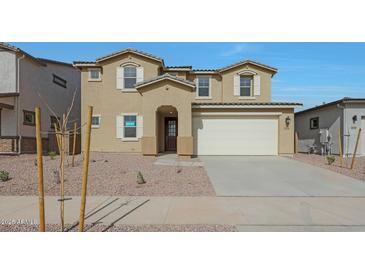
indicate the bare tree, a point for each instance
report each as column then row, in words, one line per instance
column 61, row 132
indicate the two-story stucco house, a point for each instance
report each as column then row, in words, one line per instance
column 25, row 83
column 142, row 106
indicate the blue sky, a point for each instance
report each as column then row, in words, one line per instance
column 310, row 73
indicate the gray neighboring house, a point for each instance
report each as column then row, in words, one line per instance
column 22, row 78
column 347, row 114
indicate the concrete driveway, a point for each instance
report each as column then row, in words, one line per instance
column 276, row 176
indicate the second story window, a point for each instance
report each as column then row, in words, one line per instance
column 59, row 81
column 203, row 87
column 314, row 123
column 94, row 75
column 130, row 77
column 246, row 86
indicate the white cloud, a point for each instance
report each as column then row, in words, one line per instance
column 239, row 48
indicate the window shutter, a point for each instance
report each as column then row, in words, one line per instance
column 119, row 126
column 119, row 77
column 236, row 85
column 196, row 80
column 139, row 126
column 140, row 76
column 256, row 85
column 210, row 86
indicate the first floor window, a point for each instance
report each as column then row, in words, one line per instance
column 245, row 86
column 314, row 123
column 130, row 76
column 54, row 121
column 28, row 118
column 203, row 87
column 95, row 121
column 130, row 126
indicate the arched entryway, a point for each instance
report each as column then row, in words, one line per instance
column 167, row 128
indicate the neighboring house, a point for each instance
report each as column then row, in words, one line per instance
column 142, row 106
column 25, row 83
column 347, row 115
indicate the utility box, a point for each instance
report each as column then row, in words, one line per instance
column 324, row 135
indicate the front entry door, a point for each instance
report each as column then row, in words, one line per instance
column 170, row 133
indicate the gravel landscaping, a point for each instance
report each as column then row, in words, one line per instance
column 109, row 174
column 358, row 172
column 125, row 228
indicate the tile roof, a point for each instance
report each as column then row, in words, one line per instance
column 248, row 104
column 119, row 52
column 83, row 62
column 165, row 76
column 54, row 62
column 250, row 62
column 340, row 101
column 179, row 67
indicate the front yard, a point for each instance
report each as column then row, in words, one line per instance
column 358, row 172
column 109, row 174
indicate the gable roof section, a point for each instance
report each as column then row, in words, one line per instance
column 163, row 77
column 171, row 68
column 18, row 50
column 138, row 52
column 272, row 69
column 341, row 101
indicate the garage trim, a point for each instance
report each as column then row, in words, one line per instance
column 237, row 113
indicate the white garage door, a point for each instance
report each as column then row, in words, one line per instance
column 241, row 135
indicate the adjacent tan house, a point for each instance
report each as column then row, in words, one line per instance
column 142, row 106
column 25, row 83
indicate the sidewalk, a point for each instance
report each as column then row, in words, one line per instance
column 247, row 213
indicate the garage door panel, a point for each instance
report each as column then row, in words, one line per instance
column 235, row 136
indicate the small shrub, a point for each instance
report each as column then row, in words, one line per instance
column 140, row 179
column 52, row 154
column 330, row 159
column 4, row 176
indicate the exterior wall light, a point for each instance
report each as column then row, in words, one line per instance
column 287, row 121
column 354, row 119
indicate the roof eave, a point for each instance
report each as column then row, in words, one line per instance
column 112, row 55
column 272, row 69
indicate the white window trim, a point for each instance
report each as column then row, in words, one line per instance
column 92, row 79
column 129, row 64
column 247, row 72
column 129, row 90
column 96, row 126
column 246, row 98
column 130, row 139
column 252, row 96
column 197, row 89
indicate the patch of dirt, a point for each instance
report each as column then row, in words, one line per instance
column 358, row 172
column 109, row 174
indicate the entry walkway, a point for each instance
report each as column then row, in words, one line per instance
column 247, row 213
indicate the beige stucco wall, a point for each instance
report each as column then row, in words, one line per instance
column 167, row 93
column 227, row 84
column 109, row 102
